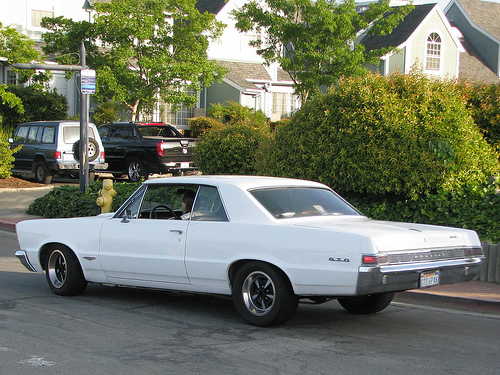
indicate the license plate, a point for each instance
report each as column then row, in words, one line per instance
column 428, row 279
column 184, row 165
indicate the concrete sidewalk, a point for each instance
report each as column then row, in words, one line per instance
column 471, row 295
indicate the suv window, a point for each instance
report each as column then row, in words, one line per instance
column 71, row 134
column 32, row 134
column 21, row 133
column 48, row 135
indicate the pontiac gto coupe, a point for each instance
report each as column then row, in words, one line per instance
column 268, row 242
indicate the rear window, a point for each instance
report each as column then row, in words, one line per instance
column 71, row 134
column 291, row 202
column 159, row 131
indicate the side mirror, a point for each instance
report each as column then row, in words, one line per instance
column 128, row 216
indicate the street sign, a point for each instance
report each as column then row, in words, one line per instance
column 88, row 81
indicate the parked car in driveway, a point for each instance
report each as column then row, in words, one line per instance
column 52, row 147
column 268, row 242
column 139, row 149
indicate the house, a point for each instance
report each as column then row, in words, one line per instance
column 478, row 23
column 249, row 80
column 424, row 37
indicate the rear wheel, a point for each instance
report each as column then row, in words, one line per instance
column 43, row 175
column 136, row 170
column 263, row 296
column 63, row 272
column 369, row 304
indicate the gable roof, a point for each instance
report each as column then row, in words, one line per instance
column 210, row 6
column 473, row 67
column 484, row 14
column 246, row 74
column 402, row 32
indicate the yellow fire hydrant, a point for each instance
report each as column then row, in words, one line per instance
column 106, row 195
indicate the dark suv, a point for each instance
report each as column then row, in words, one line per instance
column 51, row 147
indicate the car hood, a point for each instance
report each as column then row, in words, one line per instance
column 394, row 236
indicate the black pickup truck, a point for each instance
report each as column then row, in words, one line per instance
column 139, row 149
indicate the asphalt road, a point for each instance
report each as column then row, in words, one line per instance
column 110, row 330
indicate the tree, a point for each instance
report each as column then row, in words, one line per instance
column 15, row 48
column 143, row 50
column 314, row 41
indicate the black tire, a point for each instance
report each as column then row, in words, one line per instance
column 263, row 296
column 43, row 175
column 93, row 149
column 370, row 304
column 136, row 170
column 63, row 272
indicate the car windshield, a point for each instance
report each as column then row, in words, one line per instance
column 288, row 202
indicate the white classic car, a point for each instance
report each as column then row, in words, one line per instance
column 268, row 242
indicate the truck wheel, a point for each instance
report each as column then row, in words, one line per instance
column 42, row 173
column 370, row 304
column 136, row 170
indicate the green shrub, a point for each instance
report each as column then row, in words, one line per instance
column 484, row 103
column 38, row 106
column 199, row 125
column 6, row 156
column 406, row 135
column 235, row 113
column 69, row 201
column 229, row 150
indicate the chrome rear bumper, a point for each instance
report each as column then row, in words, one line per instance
column 396, row 278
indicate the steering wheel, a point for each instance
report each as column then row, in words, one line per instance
column 153, row 215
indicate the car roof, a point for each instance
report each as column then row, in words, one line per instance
column 243, row 182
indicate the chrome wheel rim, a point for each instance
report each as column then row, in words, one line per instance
column 134, row 171
column 258, row 293
column 92, row 150
column 57, row 269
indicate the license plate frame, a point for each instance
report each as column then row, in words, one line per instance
column 429, row 279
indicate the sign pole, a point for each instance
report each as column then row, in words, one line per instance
column 84, row 141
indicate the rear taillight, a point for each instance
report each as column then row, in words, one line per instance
column 473, row 251
column 58, row 155
column 159, row 148
column 102, row 155
column 372, row 260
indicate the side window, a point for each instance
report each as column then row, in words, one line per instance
column 164, row 201
column 21, row 134
column 32, row 134
column 122, row 133
column 48, row 135
column 208, row 205
column 133, row 206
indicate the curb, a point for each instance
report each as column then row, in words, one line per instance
column 449, row 301
column 6, row 226
column 10, row 190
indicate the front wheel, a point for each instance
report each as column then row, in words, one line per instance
column 263, row 296
column 63, row 272
column 369, row 304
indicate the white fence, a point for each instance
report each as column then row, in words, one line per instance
column 490, row 271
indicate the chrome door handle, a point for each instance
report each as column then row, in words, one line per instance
column 176, row 231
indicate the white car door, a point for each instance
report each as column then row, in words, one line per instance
column 146, row 245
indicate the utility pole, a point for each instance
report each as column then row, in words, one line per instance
column 84, row 109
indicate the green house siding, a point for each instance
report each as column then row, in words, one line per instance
column 449, row 50
column 221, row 93
column 397, row 61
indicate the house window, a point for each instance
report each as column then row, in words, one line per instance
column 37, row 15
column 11, row 77
column 433, row 52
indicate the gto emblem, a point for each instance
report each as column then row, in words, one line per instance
column 346, row 260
